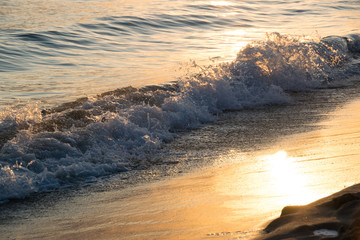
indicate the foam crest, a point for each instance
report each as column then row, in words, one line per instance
column 121, row 130
column 293, row 63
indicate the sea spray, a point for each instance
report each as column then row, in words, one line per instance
column 122, row 129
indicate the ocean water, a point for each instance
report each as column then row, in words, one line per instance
column 56, row 51
column 96, row 88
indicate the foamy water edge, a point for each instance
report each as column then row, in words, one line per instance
column 120, row 130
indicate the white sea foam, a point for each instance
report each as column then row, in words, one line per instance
column 120, row 130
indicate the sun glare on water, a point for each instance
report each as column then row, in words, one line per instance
column 286, row 179
column 220, row 3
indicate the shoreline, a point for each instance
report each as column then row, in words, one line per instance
column 228, row 199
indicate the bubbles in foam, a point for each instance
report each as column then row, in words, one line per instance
column 120, row 130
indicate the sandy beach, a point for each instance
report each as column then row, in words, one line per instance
column 236, row 195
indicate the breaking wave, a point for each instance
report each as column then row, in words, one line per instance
column 120, row 130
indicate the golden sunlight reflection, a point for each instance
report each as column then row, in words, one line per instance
column 287, row 179
column 220, row 3
column 235, row 33
column 236, row 39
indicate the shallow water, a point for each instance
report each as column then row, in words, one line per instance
column 57, row 51
column 128, row 128
column 297, row 154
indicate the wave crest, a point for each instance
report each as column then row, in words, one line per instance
column 120, row 130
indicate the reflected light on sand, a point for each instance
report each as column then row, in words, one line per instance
column 286, row 179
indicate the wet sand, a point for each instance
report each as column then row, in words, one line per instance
column 234, row 197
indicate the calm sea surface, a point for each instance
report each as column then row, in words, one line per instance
column 56, row 51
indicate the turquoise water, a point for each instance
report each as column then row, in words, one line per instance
column 55, row 51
